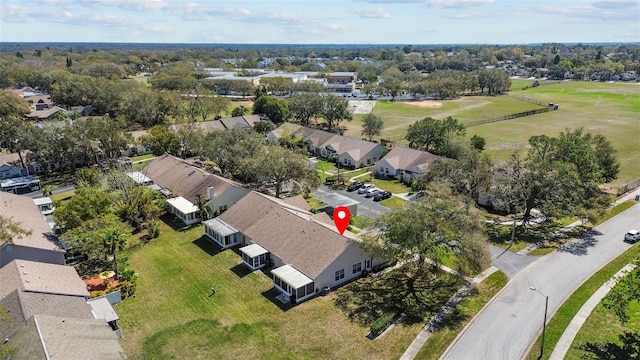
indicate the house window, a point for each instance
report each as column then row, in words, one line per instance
column 357, row 267
column 340, row 274
column 222, row 208
column 367, row 264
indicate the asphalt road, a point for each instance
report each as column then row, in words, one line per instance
column 510, row 323
column 510, row 263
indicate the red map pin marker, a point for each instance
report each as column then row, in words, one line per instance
column 341, row 217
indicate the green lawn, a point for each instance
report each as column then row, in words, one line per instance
column 142, row 157
column 173, row 317
column 62, row 196
column 600, row 108
column 394, row 186
column 394, row 203
column 460, row 317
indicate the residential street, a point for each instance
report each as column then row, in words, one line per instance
column 508, row 325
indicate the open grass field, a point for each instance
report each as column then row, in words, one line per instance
column 610, row 109
column 173, row 317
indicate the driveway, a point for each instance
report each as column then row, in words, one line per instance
column 367, row 206
column 510, row 323
column 509, row 262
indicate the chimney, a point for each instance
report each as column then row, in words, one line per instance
column 210, row 193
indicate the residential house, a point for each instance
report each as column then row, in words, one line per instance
column 8, row 171
column 40, row 245
column 349, row 152
column 237, row 122
column 304, row 250
column 405, row 162
column 136, row 147
column 45, row 337
column 184, row 183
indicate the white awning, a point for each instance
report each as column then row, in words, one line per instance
column 139, row 177
column 183, row 205
column 292, row 276
column 220, row 227
column 102, row 309
column 43, row 201
column 253, row 250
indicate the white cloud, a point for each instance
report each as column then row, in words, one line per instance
column 447, row 4
column 138, row 5
column 371, row 13
column 601, row 11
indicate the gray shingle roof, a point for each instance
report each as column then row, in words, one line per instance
column 31, row 276
column 292, row 234
column 23, row 210
column 405, row 158
column 184, row 179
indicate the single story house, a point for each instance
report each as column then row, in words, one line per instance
column 41, row 245
column 184, row 183
column 8, row 171
column 237, row 122
column 349, row 152
column 136, row 147
column 304, row 250
column 406, row 162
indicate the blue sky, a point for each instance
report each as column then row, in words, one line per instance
column 321, row 21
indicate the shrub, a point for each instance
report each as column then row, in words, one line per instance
column 382, row 323
column 95, row 294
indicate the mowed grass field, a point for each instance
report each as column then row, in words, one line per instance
column 172, row 315
column 610, row 109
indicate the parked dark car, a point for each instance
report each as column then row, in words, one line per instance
column 355, row 186
column 381, row 195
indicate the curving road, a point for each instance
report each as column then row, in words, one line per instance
column 510, row 323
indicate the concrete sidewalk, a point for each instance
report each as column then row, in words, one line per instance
column 569, row 334
column 437, row 319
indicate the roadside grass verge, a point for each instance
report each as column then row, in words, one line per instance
column 616, row 210
column 142, row 157
column 314, row 202
column 461, row 315
column 173, row 315
column 561, row 319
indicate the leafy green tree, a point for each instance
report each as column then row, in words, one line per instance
column 304, row 107
column 240, row 111
column 161, row 140
column 279, row 164
column 110, row 134
column 105, row 236
column 203, row 209
column 191, row 137
column 229, row 149
column 434, row 135
column 12, row 105
column 134, row 204
column 276, row 109
column 334, row 110
column 87, row 204
column 148, row 107
column 372, row 125
column 478, row 142
column 626, row 291
column 88, row 177
column 263, row 127
column 176, row 77
column 418, row 238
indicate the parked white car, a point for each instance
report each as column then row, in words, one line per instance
column 371, row 192
column 632, row 236
column 364, row 188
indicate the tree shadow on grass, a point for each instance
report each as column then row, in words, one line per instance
column 368, row 298
column 206, row 245
column 173, row 222
column 629, row 349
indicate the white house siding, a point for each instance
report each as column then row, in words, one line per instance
column 384, row 164
column 351, row 255
column 229, row 197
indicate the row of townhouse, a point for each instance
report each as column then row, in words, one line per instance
column 48, row 311
column 406, row 163
column 302, row 252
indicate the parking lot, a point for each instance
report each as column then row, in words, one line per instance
column 367, row 206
